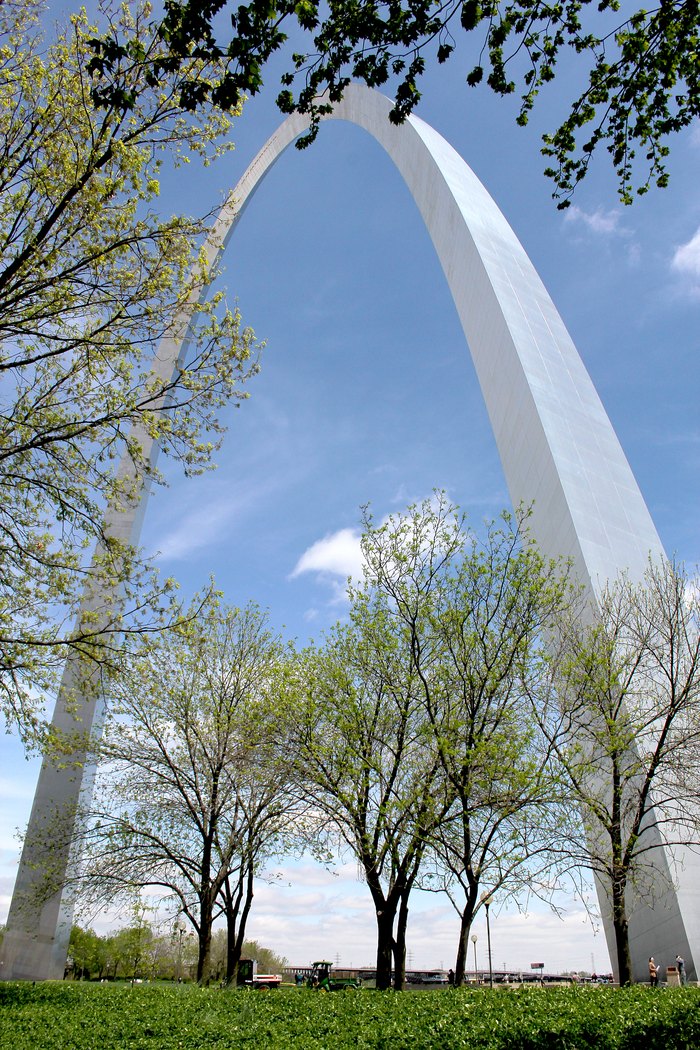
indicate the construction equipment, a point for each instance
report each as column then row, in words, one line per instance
column 322, row 979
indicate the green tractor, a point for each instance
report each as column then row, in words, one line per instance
column 322, row 980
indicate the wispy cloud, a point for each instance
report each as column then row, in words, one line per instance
column 337, row 554
column 676, row 438
column 198, row 529
column 600, row 222
column 212, row 518
column 686, row 260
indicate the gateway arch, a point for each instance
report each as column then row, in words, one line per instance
column 556, row 444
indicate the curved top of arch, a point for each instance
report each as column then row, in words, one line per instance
column 557, row 446
column 556, row 443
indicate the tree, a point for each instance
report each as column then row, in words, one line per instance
column 366, row 748
column 625, row 723
column 194, row 783
column 367, row 765
column 135, row 951
column 497, row 599
column 268, row 960
column 640, row 71
column 418, row 742
column 87, row 952
column 92, row 277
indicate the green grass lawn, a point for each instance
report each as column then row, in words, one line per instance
column 71, row 1016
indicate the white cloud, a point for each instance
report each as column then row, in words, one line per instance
column 686, row 259
column 304, row 920
column 599, row 221
column 337, row 554
column 208, row 517
column 307, row 873
column 201, row 528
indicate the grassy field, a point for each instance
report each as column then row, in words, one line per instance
column 146, row 1017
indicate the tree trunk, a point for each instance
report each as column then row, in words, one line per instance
column 467, row 915
column 619, row 881
column 385, row 945
column 235, row 927
column 622, row 944
column 204, row 947
column 463, row 946
column 399, row 950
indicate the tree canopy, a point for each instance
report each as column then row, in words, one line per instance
column 415, row 740
column 639, row 68
column 144, row 950
column 92, row 276
column 497, row 601
column 624, row 723
column 194, row 794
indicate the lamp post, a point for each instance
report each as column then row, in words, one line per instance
column 178, row 934
column 474, row 940
column 486, row 901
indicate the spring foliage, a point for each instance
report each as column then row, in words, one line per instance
column 91, row 276
column 638, row 68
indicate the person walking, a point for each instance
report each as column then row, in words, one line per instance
column 653, row 973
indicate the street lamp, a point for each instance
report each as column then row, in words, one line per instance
column 474, row 940
column 486, row 899
column 178, row 934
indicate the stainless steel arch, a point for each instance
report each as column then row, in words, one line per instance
column 555, row 440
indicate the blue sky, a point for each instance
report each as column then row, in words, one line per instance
column 367, row 394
